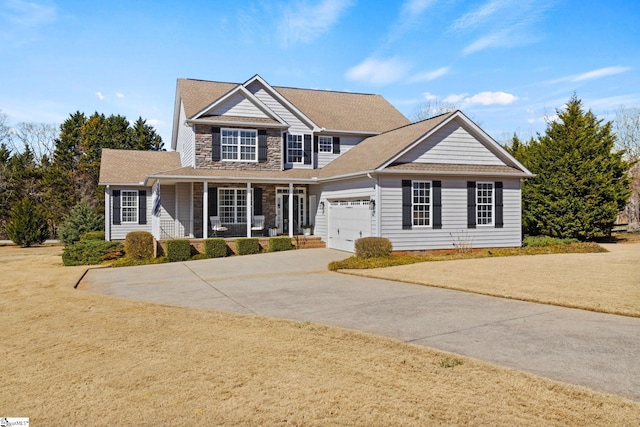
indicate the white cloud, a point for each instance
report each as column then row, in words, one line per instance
column 100, row 95
column 601, row 72
column 412, row 8
column 155, row 122
column 378, row 72
column 480, row 15
column 491, row 98
column 27, row 14
column 454, row 99
column 303, row 23
column 429, row 75
column 120, row 95
column 430, row 97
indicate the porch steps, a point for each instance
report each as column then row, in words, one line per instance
column 307, row 242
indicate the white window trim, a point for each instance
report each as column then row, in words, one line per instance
column 430, row 225
column 236, row 208
column 493, row 204
column 330, row 150
column 301, row 148
column 238, row 145
column 136, row 208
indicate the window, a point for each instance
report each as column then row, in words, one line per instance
column 421, row 203
column 295, row 150
column 325, row 144
column 239, row 144
column 484, row 203
column 129, row 206
column 232, row 205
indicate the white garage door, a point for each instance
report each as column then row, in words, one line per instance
column 349, row 220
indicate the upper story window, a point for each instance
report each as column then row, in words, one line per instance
column 295, row 149
column 325, row 144
column 129, row 206
column 239, row 145
column 421, row 206
column 484, row 203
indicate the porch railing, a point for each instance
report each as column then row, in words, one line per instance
column 172, row 229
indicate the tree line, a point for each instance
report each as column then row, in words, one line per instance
column 57, row 168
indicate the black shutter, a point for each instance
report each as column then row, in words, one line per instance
column 257, row 201
column 213, row 201
column 115, row 215
column 499, row 206
column 437, row 204
column 284, row 148
column 315, row 143
column 307, row 149
column 262, row 145
column 407, row 195
column 215, row 144
column 336, row 145
column 471, row 204
column 142, row 207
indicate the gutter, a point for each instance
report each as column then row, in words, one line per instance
column 456, row 173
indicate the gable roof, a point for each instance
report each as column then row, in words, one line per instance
column 133, row 166
column 335, row 111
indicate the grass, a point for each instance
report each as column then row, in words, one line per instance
column 405, row 258
column 74, row 358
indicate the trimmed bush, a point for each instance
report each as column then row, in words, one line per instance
column 178, row 250
column 215, row 248
column 247, row 246
column 92, row 235
column 541, row 241
column 139, row 245
column 373, row 247
column 91, row 252
column 280, row 244
column 27, row 224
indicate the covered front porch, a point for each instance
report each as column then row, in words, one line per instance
column 201, row 210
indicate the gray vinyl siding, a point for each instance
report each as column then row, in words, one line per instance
column 454, row 217
column 346, row 144
column 184, row 211
column 453, row 144
column 186, row 141
column 119, row 231
column 352, row 189
column 295, row 124
column 238, row 105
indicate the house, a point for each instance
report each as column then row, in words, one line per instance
column 255, row 159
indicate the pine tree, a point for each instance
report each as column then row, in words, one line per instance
column 82, row 219
column 581, row 183
column 27, row 224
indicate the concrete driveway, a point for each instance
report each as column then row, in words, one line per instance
column 595, row 350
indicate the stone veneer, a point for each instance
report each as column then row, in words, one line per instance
column 203, row 152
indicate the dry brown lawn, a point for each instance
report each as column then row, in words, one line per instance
column 607, row 282
column 74, row 358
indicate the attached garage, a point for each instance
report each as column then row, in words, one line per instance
column 349, row 220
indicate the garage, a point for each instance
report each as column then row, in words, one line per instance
column 349, row 220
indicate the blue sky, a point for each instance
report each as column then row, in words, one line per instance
column 507, row 63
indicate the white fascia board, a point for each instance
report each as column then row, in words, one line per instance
column 283, row 101
column 456, row 173
column 182, row 178
column 176, row 118
column 248, row 95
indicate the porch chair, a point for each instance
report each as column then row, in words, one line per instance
column 216, row 225
column 258, row 223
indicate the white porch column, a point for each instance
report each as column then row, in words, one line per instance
column 205, row 210
column 107, row 213
column 290, row 209
column 249, row 209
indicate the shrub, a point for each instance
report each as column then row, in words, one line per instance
column 91, row 252
column 80, row 220
column 540, row 241
column 178, row 250
column 92, row 235
column 27, row 224
column 280, row 244
column 139, row 245
column 247, row 246
column 215, row 248
column 373, row 247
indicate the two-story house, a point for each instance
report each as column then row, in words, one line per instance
column 252, row 158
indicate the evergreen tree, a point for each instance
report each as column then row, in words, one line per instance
column 144, row 137
column 82, row 219
column 27, row 224
column 581, row 183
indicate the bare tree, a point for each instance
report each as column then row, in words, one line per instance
column 39, row 137
column 432, row 108
column 627, row 128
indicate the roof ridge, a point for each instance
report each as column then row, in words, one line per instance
column 327, row 90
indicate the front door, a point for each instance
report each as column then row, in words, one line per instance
column 299, row 202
